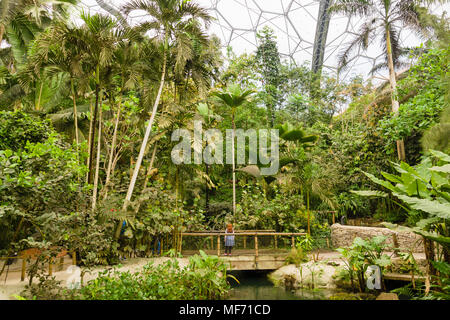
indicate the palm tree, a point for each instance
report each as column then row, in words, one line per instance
column 233, row 97
column 175, row 23
column 383, row 18
column 100, row 36
column 20, row 23
column 18, row 17
column 57, row 51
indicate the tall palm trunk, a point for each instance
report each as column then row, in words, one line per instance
column 97, row 165
column 147, row 175
column 309, row 213
column 207, row 190
column 2, row 32
column 144, row 142
column 92, row 139
column 38, row 105
column 111, row 154
column 233, row 164
column 75, row 112
column 394, row 97
column 91, row 125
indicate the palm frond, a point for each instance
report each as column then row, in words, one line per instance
column 365, row 36
column 353, row 7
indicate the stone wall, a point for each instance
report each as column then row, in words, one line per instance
column 342, row 236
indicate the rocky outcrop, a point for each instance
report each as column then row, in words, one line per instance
column 343, row 236
column 307, row 275
column 387, row 296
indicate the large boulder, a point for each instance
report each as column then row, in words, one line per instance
column 387, row 296
column 307, row 275
column 343, row 236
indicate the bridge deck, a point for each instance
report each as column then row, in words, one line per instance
column 240, row 252
column 245, row 259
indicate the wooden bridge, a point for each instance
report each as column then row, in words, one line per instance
column 246, row 258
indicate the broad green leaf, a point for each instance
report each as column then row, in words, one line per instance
column 438, row 238
column 383, row 261
column 445, row 169
column 433, row 207
column 425, row 223
column 293, row 135
column 437, row 180
column 385, row 184
column 369, row 193
column 396, row 227
column 440, row 155
column 203, row 109
column 442, row 267
column 391, row 177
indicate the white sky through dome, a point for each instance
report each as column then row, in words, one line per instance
column 294, row 24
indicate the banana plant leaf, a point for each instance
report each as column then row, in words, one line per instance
column 433, row 207
column 370, row 193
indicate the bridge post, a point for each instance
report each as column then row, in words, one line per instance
column 61, row 264
column 293, row 242
column 50, row 267
column 276, row 242
column 245, row 242
column 181, row 242
column 24, row 268
column 256, row 245
column 218, row 245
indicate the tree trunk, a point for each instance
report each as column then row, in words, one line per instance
column 38, row 107
column 91, row 126
column 394, row 97
column 144, row 145
column 206, row 190
column 233, row 166
column 2, row 32
column 147, row 175
column 91, row 146
column 75, row 112
column 97, row 165
column 111, row 154
column 429, row 254
column 309, row 215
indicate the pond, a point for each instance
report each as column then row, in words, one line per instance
column 255, row 285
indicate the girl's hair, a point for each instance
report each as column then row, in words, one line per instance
column 229, row 227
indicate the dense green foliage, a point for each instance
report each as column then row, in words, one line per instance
column 88, row 112
column 361, row 255
column 204, row 278
column 427, row 91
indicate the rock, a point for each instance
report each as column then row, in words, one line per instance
column 307, row 275
column 351, row 296
column 387, row 296
column 343, row 236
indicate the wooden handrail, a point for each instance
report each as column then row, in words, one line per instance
column 236, row 231
column 245, row 234
column 200, row 234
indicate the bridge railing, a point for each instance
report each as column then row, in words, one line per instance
column 244, row 234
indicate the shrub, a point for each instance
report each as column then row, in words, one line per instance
column 204, row 278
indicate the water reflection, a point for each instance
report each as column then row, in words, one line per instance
column 254, row 285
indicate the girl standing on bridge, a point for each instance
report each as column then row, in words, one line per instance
column 229, row 240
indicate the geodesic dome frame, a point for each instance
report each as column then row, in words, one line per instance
column 304, row 29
